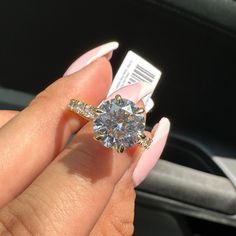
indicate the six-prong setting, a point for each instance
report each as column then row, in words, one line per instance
column 121, row 123
column 117, row 123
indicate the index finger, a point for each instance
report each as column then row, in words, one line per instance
column 37, row 134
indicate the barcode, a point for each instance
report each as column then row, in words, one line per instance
column 141, row 74
column 135, row 69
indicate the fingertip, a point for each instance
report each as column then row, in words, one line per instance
column 101, row 68
column 150, row 157
column 104, row 50
column 104, row 67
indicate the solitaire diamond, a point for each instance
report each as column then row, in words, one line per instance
column 119, row 123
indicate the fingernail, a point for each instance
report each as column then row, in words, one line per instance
column 133, row 92
column 150, row 157
column 90, row 56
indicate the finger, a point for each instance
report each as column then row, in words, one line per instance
column 6, row 115
column 77, row 185
column 105, row 50
column 150, row 157
column 36, row 135
column 118, row 216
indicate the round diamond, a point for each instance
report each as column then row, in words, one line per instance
column 119, row 124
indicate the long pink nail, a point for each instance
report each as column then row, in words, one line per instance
column 90, row 56
column 134, row 92
column 150, row 157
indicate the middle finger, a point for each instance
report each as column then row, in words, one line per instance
column 32, row 139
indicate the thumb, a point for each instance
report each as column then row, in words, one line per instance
column 73, row 191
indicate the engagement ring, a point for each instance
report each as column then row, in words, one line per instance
column 118, row 123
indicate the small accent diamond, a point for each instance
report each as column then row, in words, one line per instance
column 89, row 111
column 79, row 107
column 72, row 104
column 76, row 106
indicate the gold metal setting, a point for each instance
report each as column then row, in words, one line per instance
column 118, row 98
column 144, row 141
column 121, row 149
column 140, row 111
column 89, row 112
column 83, row 109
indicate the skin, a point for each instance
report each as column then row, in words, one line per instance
column 48, row 188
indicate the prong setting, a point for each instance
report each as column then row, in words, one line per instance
column 144, row 141
column 99, row 111
column 118, row 98
column 99, row 136
column 121, row 149
column 140, row 111
column 142, row 135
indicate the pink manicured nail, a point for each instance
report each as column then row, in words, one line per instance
column 90, row 56
column 134, row 92
column 152, row 155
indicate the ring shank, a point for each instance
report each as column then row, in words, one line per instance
column 145, row 141
column 83, row 109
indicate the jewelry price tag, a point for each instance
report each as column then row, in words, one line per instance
column 135, row 69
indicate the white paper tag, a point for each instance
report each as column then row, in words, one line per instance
column 135, row 69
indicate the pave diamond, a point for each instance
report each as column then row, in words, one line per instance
column 76, row 106
column 119, row 125
column 81, row 108
column 89, row 111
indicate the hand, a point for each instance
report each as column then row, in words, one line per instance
column 50, row 188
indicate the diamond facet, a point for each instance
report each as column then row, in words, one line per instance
column 119, row 125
